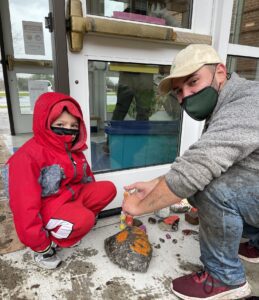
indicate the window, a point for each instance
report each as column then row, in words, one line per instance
column 37, row 11
column 176, row 13
column 131, row 124
column 245, row 66
column 245, row 23
column 30, row 87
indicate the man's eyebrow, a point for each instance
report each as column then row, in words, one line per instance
column 185, row 80
column 190, row 76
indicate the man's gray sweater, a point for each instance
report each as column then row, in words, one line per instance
column 231, row 137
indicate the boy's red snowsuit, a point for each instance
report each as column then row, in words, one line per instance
column 51, row 179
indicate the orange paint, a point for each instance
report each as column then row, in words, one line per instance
column 122, row 236
column 141, row 246
column 171, row 220
column 138, row 231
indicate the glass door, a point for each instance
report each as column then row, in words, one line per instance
column 28, row 54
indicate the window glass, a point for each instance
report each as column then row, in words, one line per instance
column 245, row 66
column 32, row 35
column 131, row 124
column 176, row 13
column 4, row 128
column 30, row 86
column 245, row 25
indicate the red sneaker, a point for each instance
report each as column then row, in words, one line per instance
column 248, row 253
column 202, row 285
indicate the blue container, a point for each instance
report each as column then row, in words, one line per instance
column 142, row 143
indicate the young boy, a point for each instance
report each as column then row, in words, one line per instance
column 53, row 194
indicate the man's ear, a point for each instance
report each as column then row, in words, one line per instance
column 221, row 73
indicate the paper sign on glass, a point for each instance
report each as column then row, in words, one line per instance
column 33, row 38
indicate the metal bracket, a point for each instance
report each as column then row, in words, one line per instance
column 49, row 22
column 12, row 62
column 76, row 25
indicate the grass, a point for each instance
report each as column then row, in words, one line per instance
column 22, row 93
column 109, row 107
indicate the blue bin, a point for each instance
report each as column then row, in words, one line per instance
column 142, row 143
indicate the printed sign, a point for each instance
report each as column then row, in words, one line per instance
column 33, row 38
column 36, row 88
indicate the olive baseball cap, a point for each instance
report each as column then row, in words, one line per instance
column 188, row 61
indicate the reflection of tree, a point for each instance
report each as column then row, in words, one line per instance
column 111, row 86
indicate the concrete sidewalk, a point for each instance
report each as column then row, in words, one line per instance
column 87, row 273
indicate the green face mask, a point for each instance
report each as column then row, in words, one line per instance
column 199, row 106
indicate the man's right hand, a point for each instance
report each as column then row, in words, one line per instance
column 142, row 188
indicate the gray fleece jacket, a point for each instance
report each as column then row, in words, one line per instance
column 230, row 137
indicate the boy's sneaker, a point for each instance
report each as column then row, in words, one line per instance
column 202, row 285
column 58, row 248
column 47, row 260
column 248, row 253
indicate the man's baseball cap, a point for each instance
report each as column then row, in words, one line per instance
column 188, row 61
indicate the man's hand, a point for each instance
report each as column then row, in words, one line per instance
column 148, row 197
column 142, row 189
column 130, row 204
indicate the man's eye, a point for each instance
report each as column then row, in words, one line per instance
column 193, row 82
column 75, row 126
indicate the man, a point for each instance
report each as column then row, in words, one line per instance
column 219, row 174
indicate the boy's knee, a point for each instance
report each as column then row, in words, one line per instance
column 109, row 188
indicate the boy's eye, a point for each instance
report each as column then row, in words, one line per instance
column 59, row 125
column 75, row 126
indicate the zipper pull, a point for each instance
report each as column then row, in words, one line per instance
column 74, row 162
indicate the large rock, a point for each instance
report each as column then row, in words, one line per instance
column 130, row 249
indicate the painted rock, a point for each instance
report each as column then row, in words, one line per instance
column 181, row 207
column 170, row 223
column 129, row 249
column 192, row 216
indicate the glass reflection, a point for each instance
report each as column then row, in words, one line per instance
column 131, row 124
column 244, row 25
column 245, row 67
column 176, row 13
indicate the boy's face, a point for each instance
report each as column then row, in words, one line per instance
column 66, row 120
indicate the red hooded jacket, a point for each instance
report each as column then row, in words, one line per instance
column 46, row 171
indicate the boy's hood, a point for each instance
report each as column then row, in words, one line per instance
column 41, row 126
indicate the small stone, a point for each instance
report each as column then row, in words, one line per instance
column 181, row 207
column 189, row 232
column 122, row 226
column 137, row 222
column 168, row 236
column 157, row 246
column 151, row 220
column 164, row 227
column 174, row 241
column 161, row 240
column 129, row 220
column 143, row 227
column 192, row 216
column 169, row 224
column 171, row 220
